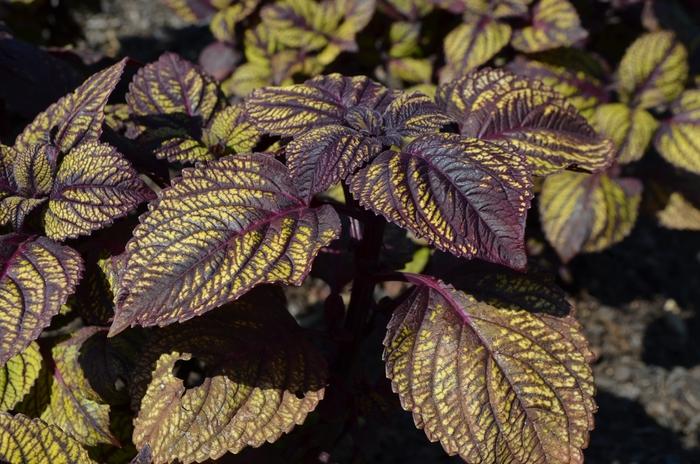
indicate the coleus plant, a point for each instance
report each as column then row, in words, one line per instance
column 168, row 338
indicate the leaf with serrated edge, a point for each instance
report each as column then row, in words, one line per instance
column 75, row 407
column 75, row 118
column 94, row 186
column 653, row 70
column 230, row 129
column 261, row 378
column 586, row 213
column 216, row 233
column 321, row 101
column 18, row 375
column 630, row 129
column 471, row 45
column 31, row 441
column 170, row 86
column 36, row 277
column 678, row 138
column 491, row 384
column 465, row 196
column 533, row 119
column 555, row 23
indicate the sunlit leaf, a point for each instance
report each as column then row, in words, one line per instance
column 680, row 214
column 31, row 441
column 94, row 186
column 258, row 376
column 533, row 119
column 630, row 129
column 653, row 70
column 75, row 118
column 678, row 138
column 75, row 407
column 555, row 23
column 36, row 277
column 216, row 233
column 492, row 384
column 472, row 44
column 18, row 375
column 571, row 72
column 465, row 196
column 586, row 213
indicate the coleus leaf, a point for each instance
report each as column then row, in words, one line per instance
column 75, row 118
column 679, row 214
column 74, row 406
column 230, row 130
column 653, row 70
column 630, row 129
column 28, row 441
column 492, row 384
column 678, row 138
column 18, row 375
column 223, row 23
column 466, row 196
column 555, row 23
column 472, row 44
column 36, row 277
column 513, row 111
column 260, row 376
column 586, row 213
column 568, row 71
column 94, row 186
column 192, row 10
column 494, row 8
column 216, row 233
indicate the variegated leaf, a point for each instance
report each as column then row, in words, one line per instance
column 230, row 130
column 653, row 70
column 94, row 186
column 74, row 406
column 14, row 209
column 555, row 23
column 216, row 233
column 465, row 196
column 495, row 8
column 18, row 375
column 34, row 169
column 678, row 139
column 36, row 277
column 75, row 118
column 172, row 86
column 472, row 44
column 259, row 377
column 533, row 119
column 224, row 22
column 586, row 213
column 492, row 384
column 567, row 71
column 31, row 441
column 321, row 101
column 630, row 129
column 680, row 214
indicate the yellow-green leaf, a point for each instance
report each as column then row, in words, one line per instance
column 216, row 233
column 224, row 21
column 14, row 209
column 653, row 70
column 472, row 44
column 230, row 130
column 18, row 376
column 258, row 377
column 94, row 186
column 33, row 170
column 586, row 213
column 31, row 441
column 555, row 23
column 76, row 117
column 516, row 112
column 630, row 129
column 680, row 214
column 74, row 406
column 678, row 139
column 36, row 277
column 412, row 9
column 492, row 384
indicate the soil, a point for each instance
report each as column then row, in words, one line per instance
column 638, row 302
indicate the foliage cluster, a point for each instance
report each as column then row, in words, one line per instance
column 148, row 231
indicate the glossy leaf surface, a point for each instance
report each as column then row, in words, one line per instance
column 492, row 384
column 216, row 233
